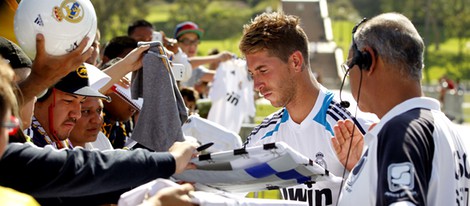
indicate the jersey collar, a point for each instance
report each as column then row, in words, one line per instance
column 417, row 102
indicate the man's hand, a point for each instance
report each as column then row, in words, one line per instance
column 224, row 56
column 343, row 144
column 48, row 70
column 169, row 43
column 130, row 63
column 183, row 152
column 175, row 195
column 134, row 58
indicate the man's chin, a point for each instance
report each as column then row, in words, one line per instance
column 62, row 138
column 63, row 135
column 276, row 104
column 91, row 137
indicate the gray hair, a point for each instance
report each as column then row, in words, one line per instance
column 394, row 38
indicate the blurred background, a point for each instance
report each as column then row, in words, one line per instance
column 444, row 25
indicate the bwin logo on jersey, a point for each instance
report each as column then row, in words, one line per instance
column 319, row 160
column 400, row 176
column 233, row 98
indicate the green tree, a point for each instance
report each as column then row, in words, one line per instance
column 458, row 23
column 115, row 16
column 219, row 19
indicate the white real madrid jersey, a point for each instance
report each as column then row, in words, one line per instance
column 416, row 157
column 312, row 138
column 231, row 95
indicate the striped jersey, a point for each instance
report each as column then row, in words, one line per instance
column 311, row 138
column 416, row 157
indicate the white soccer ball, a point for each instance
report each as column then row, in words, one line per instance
column 64, row 24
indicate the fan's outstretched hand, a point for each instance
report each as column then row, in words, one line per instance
column 344, row 131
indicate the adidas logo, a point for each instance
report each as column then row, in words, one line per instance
column 39, row 21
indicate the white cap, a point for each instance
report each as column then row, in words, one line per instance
column 96, row 77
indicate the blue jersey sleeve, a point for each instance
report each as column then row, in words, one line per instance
column 404, row 159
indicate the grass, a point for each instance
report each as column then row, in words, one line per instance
column 263, row 109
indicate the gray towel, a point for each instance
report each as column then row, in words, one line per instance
column 163, row 112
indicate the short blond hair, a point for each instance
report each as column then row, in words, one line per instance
column 277, row 33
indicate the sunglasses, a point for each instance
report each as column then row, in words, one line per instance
column 189, row 42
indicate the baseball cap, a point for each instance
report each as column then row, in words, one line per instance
column 186, row 27
column 76, row 82
column 96, row 77
column 14, row 54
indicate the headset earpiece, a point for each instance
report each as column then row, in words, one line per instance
column 362, row 59
column 366, row 60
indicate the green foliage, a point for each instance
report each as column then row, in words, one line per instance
column 219, row 19
column 369, row 8
column 113, row 19
column 448, row 61
column 342, row 35
column 439, row 21
column 203, row 107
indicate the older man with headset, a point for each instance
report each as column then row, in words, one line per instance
column 416, row 156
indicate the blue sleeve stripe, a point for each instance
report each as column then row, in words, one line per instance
column 321, row 115
column 268, row 121
column 284, row 118
column 260, row 171
column 335, row 111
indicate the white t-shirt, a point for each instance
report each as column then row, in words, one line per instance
column 312, row 138
column 416, row 157
column 231, row 95
column 101, row 143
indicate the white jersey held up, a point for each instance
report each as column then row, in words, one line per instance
column 416, row 157
column 231, row 95
column 312, row 138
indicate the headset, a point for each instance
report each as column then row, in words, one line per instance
column 364, row 60
column 361, row 58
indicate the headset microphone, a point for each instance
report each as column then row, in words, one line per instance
column 344, row 103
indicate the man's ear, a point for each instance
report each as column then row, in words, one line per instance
column 372, row 56
column 297, row 60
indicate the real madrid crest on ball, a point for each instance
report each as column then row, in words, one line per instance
column 69, row 10
column 64, row 24
column 319, row 160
